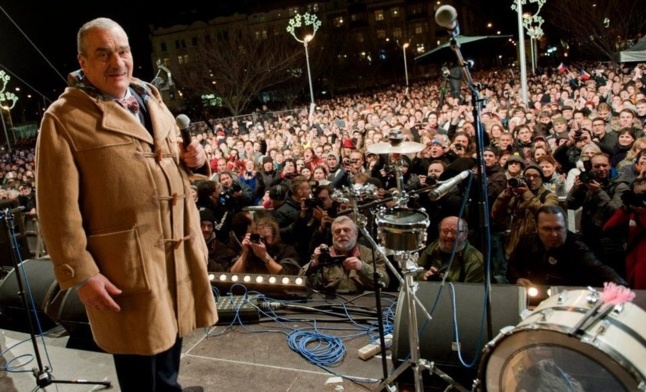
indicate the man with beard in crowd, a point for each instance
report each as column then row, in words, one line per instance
column 345, row 267
column 452, row 255
column 220, row 256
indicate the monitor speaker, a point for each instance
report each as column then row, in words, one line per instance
column 458, row 327
column 38, row 281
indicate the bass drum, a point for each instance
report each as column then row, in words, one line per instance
column 543, row 354
column 402, row 229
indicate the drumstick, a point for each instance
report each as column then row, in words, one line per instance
column 585, row 317
column 612, row 295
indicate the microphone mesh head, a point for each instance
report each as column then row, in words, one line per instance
column 182, row 121
column 446, row 16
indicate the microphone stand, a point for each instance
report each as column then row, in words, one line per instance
column 482, row 190
column 43, row 375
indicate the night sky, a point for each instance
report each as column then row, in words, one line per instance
column 38, row 40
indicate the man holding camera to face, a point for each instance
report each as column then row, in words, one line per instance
column 598, row 193
column 345, row 267
column 516, row 207
column 263, row 252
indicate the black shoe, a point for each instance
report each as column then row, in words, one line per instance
column 193, row 389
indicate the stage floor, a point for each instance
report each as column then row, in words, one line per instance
column 232, row 357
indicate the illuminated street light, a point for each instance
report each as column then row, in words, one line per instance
column 7, row 102
column 404, row 47
column 517, row 6
column 299, row 21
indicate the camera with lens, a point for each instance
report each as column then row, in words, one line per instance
column 256, row 238
column 430, row 181
column 586, row 177
column 313, row 202
column 325, row 258
column 227, row 193
column 515, row 182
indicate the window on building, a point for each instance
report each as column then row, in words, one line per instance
column 381, row 33
column 359, row 37
column 419, row 28
column 395, row 12
column 292, row 11
column 194, row 41
column 379, row 15
column 397, row 33
column 338, row 21
column 163, row 47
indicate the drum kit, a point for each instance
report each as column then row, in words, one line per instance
column 609, row 354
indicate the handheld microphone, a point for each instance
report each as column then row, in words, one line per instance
column 446, row 16
column 183, row 122
column 447, row 186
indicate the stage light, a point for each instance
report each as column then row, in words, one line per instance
column 270, row 285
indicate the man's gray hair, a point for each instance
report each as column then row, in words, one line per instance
column 99, row 24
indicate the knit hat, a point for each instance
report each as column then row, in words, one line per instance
column 515, row 158
column 559, row 120
column 267, row 159
column 334, row 154
column 493, row 149
column 534, row 166
column 207, row 215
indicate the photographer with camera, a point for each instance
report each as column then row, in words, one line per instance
column 515, row 208
column 568, row 153
column 452, row 245
column 296, row 217
column 346, row 266
column 263, row 252
column 325, row 211
column 633, row 211
column 599, row 196
column 234, row 195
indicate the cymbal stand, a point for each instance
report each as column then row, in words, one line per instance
column 42, row 373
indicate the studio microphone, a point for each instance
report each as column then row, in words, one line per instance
column 447, row 186
column 446, row 16
column 183, row 122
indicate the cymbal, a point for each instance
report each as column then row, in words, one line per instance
column 401, row 148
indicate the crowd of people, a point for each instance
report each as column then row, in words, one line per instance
column 576, row 145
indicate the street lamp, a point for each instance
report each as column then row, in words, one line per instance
column 296, row 22
column 404, row 46
column 517, row 6
column 6, row 97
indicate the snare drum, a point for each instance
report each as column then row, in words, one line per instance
column 541, row 354
column 402, row 229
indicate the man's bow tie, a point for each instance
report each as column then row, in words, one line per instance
column 130, row 103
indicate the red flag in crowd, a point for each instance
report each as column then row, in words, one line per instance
column 584, row 75
column 562, row 68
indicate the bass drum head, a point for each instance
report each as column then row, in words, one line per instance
column 546, row 360
column 403, row 219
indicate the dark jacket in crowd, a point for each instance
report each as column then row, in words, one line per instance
column 571, row 264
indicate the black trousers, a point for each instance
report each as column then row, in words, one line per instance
column 150, row 373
